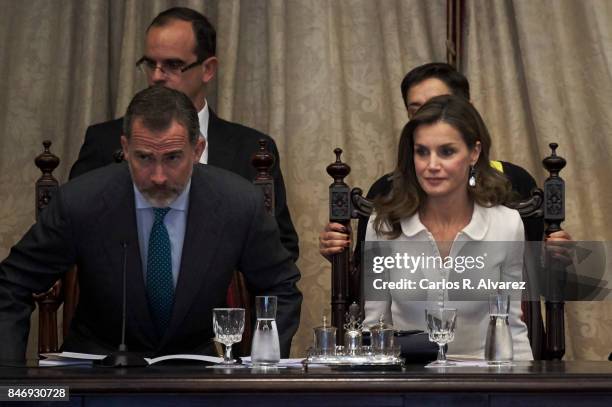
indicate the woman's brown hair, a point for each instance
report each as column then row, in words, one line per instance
column 406, row 196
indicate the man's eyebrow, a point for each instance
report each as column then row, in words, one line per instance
column 174, row 152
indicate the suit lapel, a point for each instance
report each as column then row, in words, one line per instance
column 199, row 247
column 222, row 147
column 119, row 200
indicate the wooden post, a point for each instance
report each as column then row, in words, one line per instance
column 48, row 302
column 339, row 212
column 263, row 161
column 554, row 214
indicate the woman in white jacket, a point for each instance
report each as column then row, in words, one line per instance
column 446, row 195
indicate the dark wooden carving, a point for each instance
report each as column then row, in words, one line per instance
column 48, row 302
column 554, row 214
column 46, row 185
column 263, row 161
column 554, row 191
column 339, row 212
column 360, row 205
column 346, row 203
column 532, row 207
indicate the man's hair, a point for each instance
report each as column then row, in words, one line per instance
column 157, row 107
column 203, row 31
column 456, row 82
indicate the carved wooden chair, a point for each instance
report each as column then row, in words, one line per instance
column 547, row 340
column 66, row 290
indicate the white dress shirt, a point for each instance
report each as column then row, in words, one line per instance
column 497, row 223
column 175, row 222
column 204, row 118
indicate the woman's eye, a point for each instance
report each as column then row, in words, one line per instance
column 447, row 151
column 420, row 151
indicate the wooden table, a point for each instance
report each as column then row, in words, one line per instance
column 526, row 384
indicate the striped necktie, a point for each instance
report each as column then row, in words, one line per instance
column 160, row 288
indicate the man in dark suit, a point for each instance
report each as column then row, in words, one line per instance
column 182, row 227
column 179, row 53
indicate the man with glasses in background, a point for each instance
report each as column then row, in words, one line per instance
column 180, row 48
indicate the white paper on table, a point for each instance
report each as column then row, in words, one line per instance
column 202, row 358
column 468, row 361
column 73, row 355
column 65, row 362
column 68, row 359
column 72, row 358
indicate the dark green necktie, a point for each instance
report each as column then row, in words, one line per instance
column 160, row 288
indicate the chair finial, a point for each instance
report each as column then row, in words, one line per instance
column 554, row 163
column 338, row 170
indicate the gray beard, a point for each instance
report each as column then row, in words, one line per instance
column 160, row 202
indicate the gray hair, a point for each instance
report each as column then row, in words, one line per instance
column 157, row 107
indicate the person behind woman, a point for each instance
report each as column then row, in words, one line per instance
column 444, row 192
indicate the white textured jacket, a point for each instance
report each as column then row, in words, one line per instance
column 405, row 309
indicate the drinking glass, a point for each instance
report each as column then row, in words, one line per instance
column 325, row 341
column 498, row 345
column 265, row 350
column 228, row 324
column 441, row 328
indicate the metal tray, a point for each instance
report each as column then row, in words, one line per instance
column 356, row 362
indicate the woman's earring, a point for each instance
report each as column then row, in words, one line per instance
column 472, row 179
